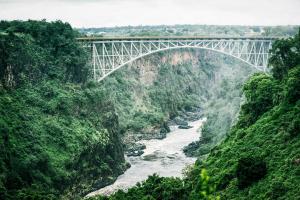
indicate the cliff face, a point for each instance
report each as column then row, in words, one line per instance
column 161, row 86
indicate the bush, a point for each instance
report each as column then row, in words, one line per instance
column 260, row 90
column 278, row 189
column 292, row 89
column 225, row 180
column 294, row 128
column 250, row 170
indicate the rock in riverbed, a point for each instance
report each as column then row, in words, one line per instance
column 135, row 153
column 185, row 126
column 180, row 121
column 135, row 149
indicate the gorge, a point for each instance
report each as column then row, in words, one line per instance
column 64, row 136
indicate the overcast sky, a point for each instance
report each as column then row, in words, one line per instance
column 99, row 13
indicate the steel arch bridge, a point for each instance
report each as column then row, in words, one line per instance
column 110, row 54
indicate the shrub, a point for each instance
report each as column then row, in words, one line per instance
column 250, row 170
column 225, row 180
column 260, row 91
column 278, row 189
column 292, row 89
column 294, row 128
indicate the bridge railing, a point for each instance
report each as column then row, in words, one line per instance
column 119, row 38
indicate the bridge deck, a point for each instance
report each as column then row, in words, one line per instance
column 92, row 39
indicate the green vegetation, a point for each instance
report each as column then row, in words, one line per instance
column 53, row 141
column 33, row 50
column 249, row 170
column 271, row 144
column 156, row 187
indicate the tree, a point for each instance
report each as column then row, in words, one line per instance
column 20, row 59
column 260, row 91
column 285, row 55
column 292, row 87
column 33, row 50
column 250, row 170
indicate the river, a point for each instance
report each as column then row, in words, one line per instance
column 164, row 157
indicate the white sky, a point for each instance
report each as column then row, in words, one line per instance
column 99, row 13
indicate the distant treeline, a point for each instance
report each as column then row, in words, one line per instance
column 176, row 30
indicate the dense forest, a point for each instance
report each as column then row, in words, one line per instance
column 63, row 135
column 52, row 141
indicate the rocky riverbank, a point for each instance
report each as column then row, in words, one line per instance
column 164, row 157
column 131, row 139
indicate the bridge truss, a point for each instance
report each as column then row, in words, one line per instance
column 110, row 54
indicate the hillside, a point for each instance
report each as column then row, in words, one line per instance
column 52, row 139
column 260, row 157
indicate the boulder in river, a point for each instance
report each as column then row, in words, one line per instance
column 135, row 146
column 185, row 126
column 165, row 128
column 180, row 121
column 135, row 153
column 154, row 135
column 135, row 149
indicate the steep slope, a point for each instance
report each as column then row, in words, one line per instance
column 260, row 157
column 261, row 160
column 53, row 140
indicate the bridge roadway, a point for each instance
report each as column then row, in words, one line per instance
column 127, row 38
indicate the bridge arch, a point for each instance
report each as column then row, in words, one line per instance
column 173, row 48
column 111, row 54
